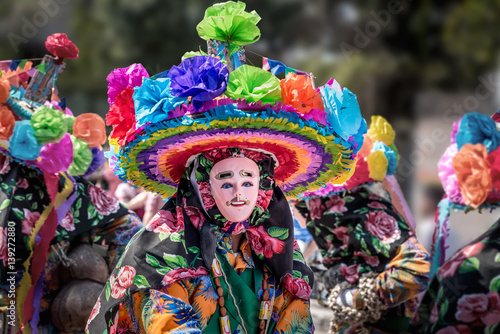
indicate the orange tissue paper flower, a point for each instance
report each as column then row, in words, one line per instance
column 7, row 122
column 90, row 128
column 4, row 90
column 473, row 174
column 297, row 91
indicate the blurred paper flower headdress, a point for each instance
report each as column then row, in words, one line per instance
column 470, row 173
column 36, row 127
column 377, row 161
column 214, row 100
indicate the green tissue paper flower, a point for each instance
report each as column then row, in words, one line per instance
column 253, row 84
column 229, row 22
column 82, row 157
column 49, row 125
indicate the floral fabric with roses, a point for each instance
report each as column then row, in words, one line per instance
column 181, row 241
column 359, row 233
column 463, row 296
column 24, row 196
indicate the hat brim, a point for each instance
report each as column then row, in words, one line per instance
column 308, row 155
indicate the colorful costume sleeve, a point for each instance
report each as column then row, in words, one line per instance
column 407, row 274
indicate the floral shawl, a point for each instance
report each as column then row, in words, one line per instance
column 27, row 232
column 357, row 232
column 179, row 243
column 464, row 296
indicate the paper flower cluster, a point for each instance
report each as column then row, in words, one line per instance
column 201, row 83
column 470, row 168
column 212, row 100
column 53, row 140
column 377, row 158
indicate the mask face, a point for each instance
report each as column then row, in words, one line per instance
column 235, row 187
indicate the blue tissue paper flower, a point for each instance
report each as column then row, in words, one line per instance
column 477, row 128
column 342, row 110
column 389, row 154
column 153, row 100
column 23, row 144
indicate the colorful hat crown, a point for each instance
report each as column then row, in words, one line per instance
column 470, row 173
column 470, row 168
column 36, row 128
column 377, row 158
column 214, row 100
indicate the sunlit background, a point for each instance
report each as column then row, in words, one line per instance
column 421, row 64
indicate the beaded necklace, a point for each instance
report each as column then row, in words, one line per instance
column 265, row 304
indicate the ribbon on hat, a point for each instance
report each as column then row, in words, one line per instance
column 441, row 233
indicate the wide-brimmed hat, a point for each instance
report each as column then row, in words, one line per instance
column 213, row 100
column 36, row 127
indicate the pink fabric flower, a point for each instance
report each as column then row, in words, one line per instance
column 126, row 276
column 264, row 198
column 29, row 221
column 350, row 272
column 94, row 313
column 217, row 155
column 383, row 226
column 3, row 245
column 336, row 204
column 237, row 229
column 316, row 208
column 376, row 205
column 183, row 273
column 371, row 260
column 451, row 266
column 22, row 183
column 298, row 287
column 194, row 214
column 4, row 164
column 434, row 314
column 449, row 330
column 104, row 203
column 68, row 222
column 342, row 233
column 165, row 222
column 263, row 243
column 479, row 307
column 206, row 195
column 117, row 291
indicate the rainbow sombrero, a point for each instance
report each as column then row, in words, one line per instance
column 209, row 101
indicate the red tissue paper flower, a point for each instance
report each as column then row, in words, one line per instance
column 60, row 46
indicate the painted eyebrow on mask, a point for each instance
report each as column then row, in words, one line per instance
column 224, row 175
column 246, row 173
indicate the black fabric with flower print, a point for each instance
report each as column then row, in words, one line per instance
column 179, row 242
column 23, row 198
column 463, row 296
column 357, row 232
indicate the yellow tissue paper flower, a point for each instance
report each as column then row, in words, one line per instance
column 377, row 164
column 381, row 130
